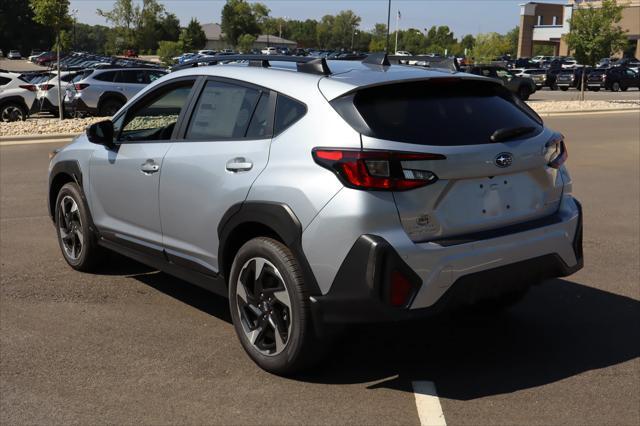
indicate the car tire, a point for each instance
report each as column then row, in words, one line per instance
column 13, row 111
column 623, row 87
column 524, row 92
column 73, row 226
column 615, row 86
column 553, row 87
column 595, row 89
column 564, row 88
column 270, row 307
column 109, row 107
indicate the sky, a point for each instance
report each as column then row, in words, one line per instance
column 462, row 16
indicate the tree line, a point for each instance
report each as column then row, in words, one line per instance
column 148, row 27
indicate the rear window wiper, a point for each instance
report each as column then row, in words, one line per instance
column 507, row 133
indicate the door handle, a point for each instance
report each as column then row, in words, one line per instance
column 239, row 164
column 149, row 167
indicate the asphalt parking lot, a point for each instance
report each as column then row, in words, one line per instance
column 131, row 345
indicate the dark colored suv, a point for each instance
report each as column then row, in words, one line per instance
column 570, row 78
column 614, row 79
column 523, row 87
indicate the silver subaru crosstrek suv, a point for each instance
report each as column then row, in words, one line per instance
column 323, row 193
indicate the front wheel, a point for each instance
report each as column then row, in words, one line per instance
column 110, row 107
column 77, row 242
column 270, row 307
column 615, row 87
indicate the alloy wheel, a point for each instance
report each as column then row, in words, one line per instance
column 12, row 113
column 70, row 227
column 264, row 306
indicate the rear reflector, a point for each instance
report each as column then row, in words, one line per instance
column 401, row 289
column 376, row 170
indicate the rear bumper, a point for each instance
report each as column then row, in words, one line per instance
column 78, row 105
column 447, row 277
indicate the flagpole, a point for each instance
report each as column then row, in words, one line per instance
column 397, row 23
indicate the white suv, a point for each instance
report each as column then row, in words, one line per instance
column 17, row 97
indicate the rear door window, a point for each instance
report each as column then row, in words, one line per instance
column 445, row 113
column 132, row 77
column 106, row 76
column 223, row 111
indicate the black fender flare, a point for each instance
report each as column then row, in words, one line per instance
column 15, row 99
column 69, row 168
column 278, row 217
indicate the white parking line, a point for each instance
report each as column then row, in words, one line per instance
column 428, row 404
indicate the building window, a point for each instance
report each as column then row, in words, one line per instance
column 555, row 20
column 539, row 19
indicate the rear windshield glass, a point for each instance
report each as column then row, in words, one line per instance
column 455, row 112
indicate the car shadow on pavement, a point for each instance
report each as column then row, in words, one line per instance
column 560, row 329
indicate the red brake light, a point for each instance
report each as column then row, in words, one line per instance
column 29, row 87
column 400, row 290
column 556, row 151
column 46, row 86
column 80, row 86
column 376, row 170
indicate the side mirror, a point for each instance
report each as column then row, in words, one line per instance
column 101, row 133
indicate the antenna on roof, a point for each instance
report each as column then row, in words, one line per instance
column 377, row 59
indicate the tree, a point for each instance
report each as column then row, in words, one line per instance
column 512, row 39
column 53, row 14
column 378, row 38
column 19, row 31
column 595, row 34
column 343, row 30
column 240, row 17
column 195, row 34
column 489, row 46
column 123, row 17
column 167, row 50
column 440, row 39
column 324, row 31
column 245, row 43
column 303, row 32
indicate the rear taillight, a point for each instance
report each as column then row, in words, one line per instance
column 400, row 290
column 80, row 86
column 29, row 87
column 377, row 170
column 556, row 151
column 46, row 87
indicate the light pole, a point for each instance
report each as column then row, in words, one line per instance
column 353, row 34
column 386, row 46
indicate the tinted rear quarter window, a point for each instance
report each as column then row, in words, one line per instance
column 131, row 77
column 456, row 112
column 288, row 111
column 4, row 80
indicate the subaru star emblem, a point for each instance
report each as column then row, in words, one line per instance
column 504, row 159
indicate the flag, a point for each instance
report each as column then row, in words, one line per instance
column 399, row 15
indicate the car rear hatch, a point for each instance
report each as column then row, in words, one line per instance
column 485, row 159
column 596, row 77
column 565, row 78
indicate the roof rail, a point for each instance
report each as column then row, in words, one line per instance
column 307, row 65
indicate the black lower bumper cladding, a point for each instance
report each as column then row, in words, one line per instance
column 361, row 287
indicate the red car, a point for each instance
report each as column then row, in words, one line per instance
column 130, row 53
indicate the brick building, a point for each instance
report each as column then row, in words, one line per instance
column 546, row 23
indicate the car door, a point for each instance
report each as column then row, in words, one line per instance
column 130, row 82
column 124, row 181
column 225, row 147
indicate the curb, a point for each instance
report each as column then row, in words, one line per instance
column 591, row 111
column 39, row 137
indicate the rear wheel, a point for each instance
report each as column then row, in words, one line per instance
column 615, row 86
column 13, row 111
column 623, row 87
column 270, row 307
column 77, row 242
column 524, row 92
column 109, row 107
